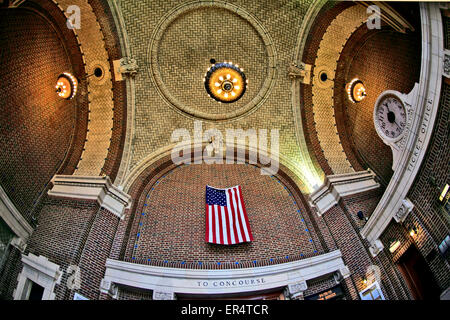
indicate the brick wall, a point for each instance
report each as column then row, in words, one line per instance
column 62, row 234
column 9, row 274
column 112, row 44
column 39, row 133
column 96, row 251
column 429, row 216
column 326, row 15
column 344, row 227
column 170, row 220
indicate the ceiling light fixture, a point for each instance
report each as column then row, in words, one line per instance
column 66, row 86
column 225, row 82
column 356, row 90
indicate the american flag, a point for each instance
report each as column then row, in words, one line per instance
column 226, row 218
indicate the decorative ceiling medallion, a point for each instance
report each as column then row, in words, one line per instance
column 167, row 71
column 356, row 90
column 225, row 82
column 66, row 86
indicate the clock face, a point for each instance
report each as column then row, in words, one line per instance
column 390, row 117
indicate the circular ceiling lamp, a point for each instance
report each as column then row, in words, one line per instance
column 356, row 90
column 66, row 86
column 225, row 82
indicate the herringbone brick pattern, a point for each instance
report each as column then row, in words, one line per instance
column 155, row 119
column 328, row 54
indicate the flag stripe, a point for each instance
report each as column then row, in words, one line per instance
column 208, row 224
column 215, row 225
column 233, row 215
column 224, row 225
column 226, row 216
column 232, row 225
column 241, row 217
column 247, row 225
column 238, row 214
column 220, row 230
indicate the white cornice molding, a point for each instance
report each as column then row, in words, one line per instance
column 424, row 109
column 13, row 218
column 41, row 271
column 340, row 185
column 198, row 281
column 100, row 189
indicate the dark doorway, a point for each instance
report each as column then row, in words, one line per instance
column 36, row 292
column 418, row 275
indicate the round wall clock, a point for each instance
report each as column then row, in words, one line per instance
column 390, row 116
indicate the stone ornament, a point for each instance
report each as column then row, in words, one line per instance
column 109, row 288
column 446, row 70
column 405, row 208
column 300, row 71
column 160, row 295
column 376, row 247
column 128, row 66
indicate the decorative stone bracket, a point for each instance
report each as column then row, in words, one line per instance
column 101, row 189
column 162, row 295
column 301, row 71
column 376, row 247
column 446, row 65
column 125, row 66
column 341, row 185
column 296, row 289
column 109, row 288
column 405, row 208
column 19, row 244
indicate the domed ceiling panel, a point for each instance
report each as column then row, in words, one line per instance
column 189, row 38
column 173, row 43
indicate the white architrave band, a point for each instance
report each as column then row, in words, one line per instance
column 340, row 185
column 91, row 188
column 424, row 110
column 225, row 281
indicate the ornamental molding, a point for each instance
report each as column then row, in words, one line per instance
column 128, row 66
column 402, row 212
column 223, row 281
column 109, row 288
column 446, row 64
column 100, row 189
column 341, row 185
column 423, row 103
column 301, row 71
column 376, row 247
column 13, row 218
column 41, row 271
column 161, row 295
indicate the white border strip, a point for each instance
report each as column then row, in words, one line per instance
column 193, row 281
